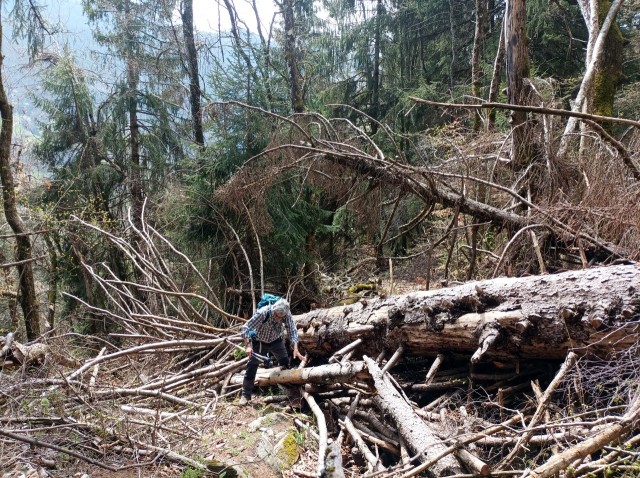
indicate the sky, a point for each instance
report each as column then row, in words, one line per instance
column 207, row 13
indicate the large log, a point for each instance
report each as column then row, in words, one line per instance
column 592, row 310
column 418, row 435
column 331, row 373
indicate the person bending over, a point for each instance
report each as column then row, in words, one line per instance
column 262, row 334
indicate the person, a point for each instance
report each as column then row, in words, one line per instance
column 262, row 334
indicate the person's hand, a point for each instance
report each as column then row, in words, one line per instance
column 297, row 354
column 248, row 349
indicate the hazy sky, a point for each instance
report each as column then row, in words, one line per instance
column 207, row 12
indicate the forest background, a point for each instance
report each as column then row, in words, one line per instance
column 297, row 157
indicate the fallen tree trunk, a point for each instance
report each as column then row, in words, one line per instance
column 332, row 373
column 589, row 311
column 418, row 436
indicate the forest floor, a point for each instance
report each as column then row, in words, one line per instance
column 233, row 439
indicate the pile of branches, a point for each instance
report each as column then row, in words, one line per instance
column 384, row 416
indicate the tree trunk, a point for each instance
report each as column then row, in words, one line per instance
column 592, row 67
column 192, row 70
column 419, row 437
column 476, row 57
column 495, row 80
column 517, row 69
column 609, row 74
column 375, row 90
column 589, row 311
column 331, row 373
column 28, row 298
column 291, row 56
column 133, row 75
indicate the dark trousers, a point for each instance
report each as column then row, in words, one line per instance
column 276, row 348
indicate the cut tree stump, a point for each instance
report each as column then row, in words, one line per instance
column 591, row 310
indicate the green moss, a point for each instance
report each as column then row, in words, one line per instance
column 221, row 469
column 354, row 289
column 288, row 453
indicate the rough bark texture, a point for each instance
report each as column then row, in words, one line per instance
column 192, row 69
column 608, row 76
column 337, row 372
column 418, row 436
column 589, row 311
column 28, row 298
column 517, row 69
column 291, row 56
column 476, row 57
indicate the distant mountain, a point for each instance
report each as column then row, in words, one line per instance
column 70, row 28
column 71, row 31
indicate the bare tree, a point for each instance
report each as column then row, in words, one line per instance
column 517, row 70
column 595, row 52
column 476, row 67
column 195, row 92
column 28, row 298
column 292, row 56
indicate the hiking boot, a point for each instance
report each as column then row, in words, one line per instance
column 244, row 401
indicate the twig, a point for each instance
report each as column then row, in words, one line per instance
column 542, row 406
column 38, row 443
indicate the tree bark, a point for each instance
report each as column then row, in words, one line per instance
column 495, row 80
column 291, row 56
column 28, row 298
column 375, row 90
column 335, row 372
column 589, row 311
column 476, row 57
column 192, row 70
column 517, row 69
column 133, row 75
column 418, row 436
column 610, row 73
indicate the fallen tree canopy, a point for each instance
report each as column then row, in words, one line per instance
column 595, row 310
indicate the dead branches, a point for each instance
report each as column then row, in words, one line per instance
column 472, row 410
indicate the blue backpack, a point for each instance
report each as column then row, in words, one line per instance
column 268, row 299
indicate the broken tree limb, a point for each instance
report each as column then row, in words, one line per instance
column 488, row 337
column 452, row 320
column 8, row 341
column 460, row 442
column 335, row 372
column 337, row 356
column 322, row 429
column 613, row 433
column 433, row 370
column 418, row 436
column 472, row 462
column 37, row 443
column 372, row 460
column 395, row 358
column 532, row 109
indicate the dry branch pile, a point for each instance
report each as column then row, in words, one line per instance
column 383, row 405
